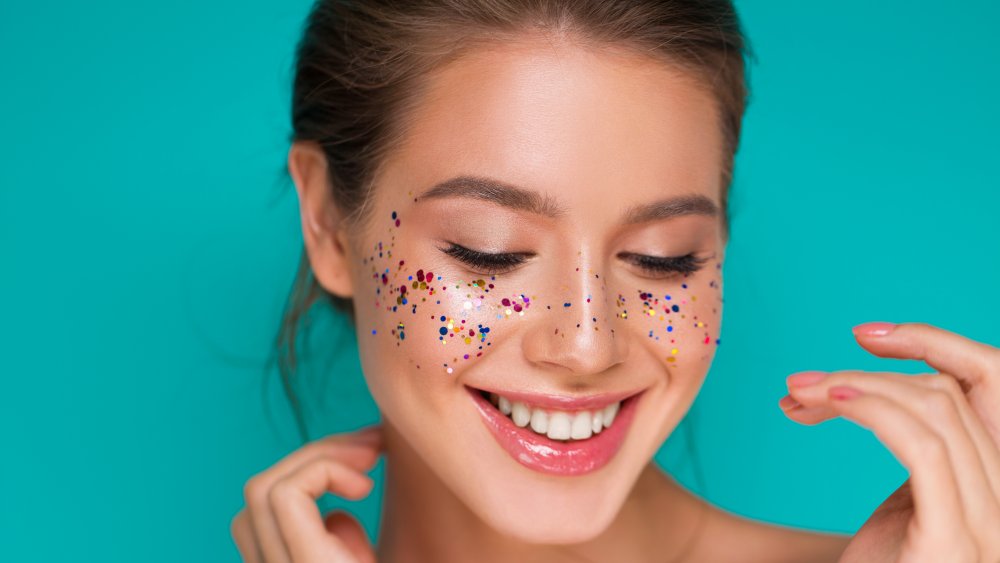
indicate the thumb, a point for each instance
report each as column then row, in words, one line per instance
column 350, row 531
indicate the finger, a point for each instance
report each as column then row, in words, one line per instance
column 968, row 360
column 358, row 450
column 929, row 399
column 919, row 394
column 242, row 534
column 349, row 530
column 293, row 501
column 938, row 514
column 803, row 414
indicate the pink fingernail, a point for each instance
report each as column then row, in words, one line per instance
column 787, row 402
column 805, row 378
column 873, row 329
column 843, row 393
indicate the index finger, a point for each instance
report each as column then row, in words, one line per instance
column 967, row 360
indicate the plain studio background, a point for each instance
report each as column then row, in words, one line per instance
column 148, row 241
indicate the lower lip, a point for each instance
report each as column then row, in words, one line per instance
column 546, row 455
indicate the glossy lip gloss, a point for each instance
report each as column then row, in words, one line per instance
column 541, row 453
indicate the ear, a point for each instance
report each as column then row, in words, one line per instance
column 323, row 231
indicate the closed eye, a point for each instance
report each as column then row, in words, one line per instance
column 486, row 262
column 659, row 265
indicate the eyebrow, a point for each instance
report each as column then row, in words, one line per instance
column 521, row 199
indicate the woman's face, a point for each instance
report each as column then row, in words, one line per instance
column 591, row 175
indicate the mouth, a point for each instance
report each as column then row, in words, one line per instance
column 555, row 434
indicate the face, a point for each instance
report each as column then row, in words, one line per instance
column 548, row 230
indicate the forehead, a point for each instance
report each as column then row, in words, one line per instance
column 574, row 122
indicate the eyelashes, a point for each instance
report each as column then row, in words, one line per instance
column 487, row 262
column 496, row 263
column 687, row 264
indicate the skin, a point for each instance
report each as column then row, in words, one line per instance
column 595, row 134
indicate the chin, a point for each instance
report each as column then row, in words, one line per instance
column 539, row 512
column 542, row 490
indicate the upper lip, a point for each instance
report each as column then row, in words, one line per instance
column 561, row 402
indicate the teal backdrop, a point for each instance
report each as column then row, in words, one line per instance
column 148, row 239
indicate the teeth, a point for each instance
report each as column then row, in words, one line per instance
column 581, row 428
column 539, row 421
column 609, row 413
column 557, row 425
column 597, row 422
column 504, row 405
column 520, row 414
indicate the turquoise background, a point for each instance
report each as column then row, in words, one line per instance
column 148, row 239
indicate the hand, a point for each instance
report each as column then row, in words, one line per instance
column 943, row 427
column 280, row 522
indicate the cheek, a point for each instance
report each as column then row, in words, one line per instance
column 682, row 323
column 420, row 317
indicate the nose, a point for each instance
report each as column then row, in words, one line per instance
column 580, row 333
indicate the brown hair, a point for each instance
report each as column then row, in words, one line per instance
column 359, row 66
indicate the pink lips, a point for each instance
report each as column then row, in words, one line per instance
column 546, row 455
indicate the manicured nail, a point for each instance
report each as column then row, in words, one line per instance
column 843, row 393
column 805, row 378
column 787, row 402
column 873, row 329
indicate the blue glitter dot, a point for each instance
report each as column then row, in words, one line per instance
column 373, row 331
column 443, row 330
column 667, row 297
column 675, row 308
column 442, row 318
column 393, row 214
column 566, row 304
column 670, row 329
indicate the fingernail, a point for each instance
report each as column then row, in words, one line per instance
column 873, row 329
column 843, row 393
column 787, row 402
column 805, row 378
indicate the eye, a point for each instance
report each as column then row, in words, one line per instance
column 657, row 266
column 486, row 262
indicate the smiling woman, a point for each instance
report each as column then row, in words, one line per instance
column 523, row 206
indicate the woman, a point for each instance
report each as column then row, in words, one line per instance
column 522, row 205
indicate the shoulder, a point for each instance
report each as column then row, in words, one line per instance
column 733, row 538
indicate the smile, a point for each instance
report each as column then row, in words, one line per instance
column 556, row 434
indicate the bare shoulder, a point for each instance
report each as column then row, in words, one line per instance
column 742, row 540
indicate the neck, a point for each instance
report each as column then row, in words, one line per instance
column 422, row 520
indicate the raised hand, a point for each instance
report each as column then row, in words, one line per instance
column 944, row 427
column 280, row 522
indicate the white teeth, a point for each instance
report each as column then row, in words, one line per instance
column 539, row 421
column 581, row 427
column 609, row 413
column 597, row 422
column 521, row 415
column 505, row 405
column 559, row 426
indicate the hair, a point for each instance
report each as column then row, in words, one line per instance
column 360, row 66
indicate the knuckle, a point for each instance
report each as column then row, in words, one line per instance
column 931, row 447
column 279, row 492
column 254, row 490
column 945, row 383
column 937, row 405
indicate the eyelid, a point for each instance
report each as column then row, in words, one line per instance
column 488, row 262
column 666, row 266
